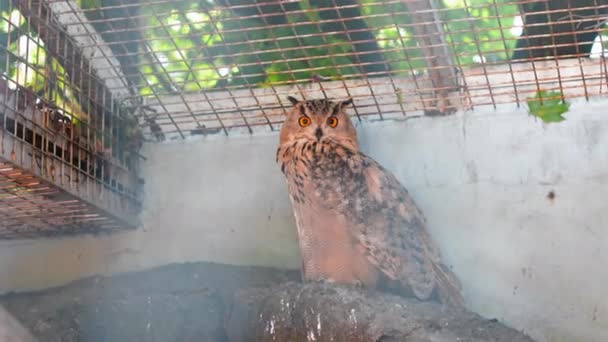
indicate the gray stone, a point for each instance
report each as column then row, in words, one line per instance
column 325, row 312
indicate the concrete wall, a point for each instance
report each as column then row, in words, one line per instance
column 482, row 179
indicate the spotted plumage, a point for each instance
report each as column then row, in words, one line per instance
column 356, row 223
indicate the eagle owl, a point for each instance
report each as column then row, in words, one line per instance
column 356, row 223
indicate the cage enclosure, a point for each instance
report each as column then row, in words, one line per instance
column 68, row 153
column 140, row 199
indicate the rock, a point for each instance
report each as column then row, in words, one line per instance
column 11, row 330
column 179, row 302
column 325, row 312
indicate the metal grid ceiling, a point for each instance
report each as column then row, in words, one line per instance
column 204, row 67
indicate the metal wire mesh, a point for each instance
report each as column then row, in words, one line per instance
column 206, row 67
column 67, row 164
column 190, row 68
column 30, row 208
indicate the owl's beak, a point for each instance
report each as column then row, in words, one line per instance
column 318, row 133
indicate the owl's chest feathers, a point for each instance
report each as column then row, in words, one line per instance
column 323, row 174
column 329, row 179
column 320, row 167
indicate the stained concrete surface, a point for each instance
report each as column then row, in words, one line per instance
column 222, row 303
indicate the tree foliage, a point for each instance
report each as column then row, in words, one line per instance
column 25, row 63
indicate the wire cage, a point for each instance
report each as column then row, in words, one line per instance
column 219, row 66
column 68, row 150
column 126, row 71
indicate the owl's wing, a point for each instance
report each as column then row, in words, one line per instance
column 393, row 230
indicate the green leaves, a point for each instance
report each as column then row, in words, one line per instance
column 487, row 25
column 548, row 106
column 88, row 4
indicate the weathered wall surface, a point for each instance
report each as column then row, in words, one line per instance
column 482, row 178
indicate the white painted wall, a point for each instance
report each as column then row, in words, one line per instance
column 480, row 177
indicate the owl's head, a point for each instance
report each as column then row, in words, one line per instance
column 319, row 120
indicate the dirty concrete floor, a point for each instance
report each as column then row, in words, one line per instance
column 185, row 302
column 196, row 302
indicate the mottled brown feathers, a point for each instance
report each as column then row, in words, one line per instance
column 348, row 207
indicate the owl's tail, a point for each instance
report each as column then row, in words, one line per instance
column 448, row 286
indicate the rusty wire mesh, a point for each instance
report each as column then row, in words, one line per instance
column 205, row 67
column 66, row 161
column 31, row 207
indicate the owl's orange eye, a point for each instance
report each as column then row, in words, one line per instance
column 332, row 121
column 304, row 121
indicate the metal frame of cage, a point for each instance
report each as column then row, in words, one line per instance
column 61, row 173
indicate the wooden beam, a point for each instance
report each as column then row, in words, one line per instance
column 430, row 37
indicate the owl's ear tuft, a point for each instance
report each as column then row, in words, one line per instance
column 346, row 102
column 293, row 100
